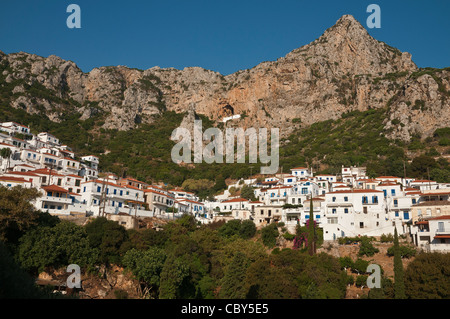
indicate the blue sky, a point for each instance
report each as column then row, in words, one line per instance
column 224, row 36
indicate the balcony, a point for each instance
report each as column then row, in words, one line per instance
column 54, row 199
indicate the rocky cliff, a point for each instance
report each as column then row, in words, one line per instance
column 343, row 70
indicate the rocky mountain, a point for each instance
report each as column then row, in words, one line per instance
column 343, row 70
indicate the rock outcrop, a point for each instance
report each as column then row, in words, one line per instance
column 343, row 70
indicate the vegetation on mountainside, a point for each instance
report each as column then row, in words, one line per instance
column 357, row 138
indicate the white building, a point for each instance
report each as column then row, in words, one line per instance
column 355, row 212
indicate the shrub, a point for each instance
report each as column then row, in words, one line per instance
column 367, row 249
column 360, row 266
column 288, row 236
column 361, row 280
column 269, row 235
column 387, row 238
column 405, row 251
column 346, row 262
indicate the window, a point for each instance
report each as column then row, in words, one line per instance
column 120, row 204
column 375, row 199
column 413, row 200
column 396, row 214
column 121, row 193
column 317, row 216
column 405, row 215
column 334, row 199
column 393, row 192
column 333, row 210
column 99, row 189
column 346, row 210
column 395, row 203
column 306, row 216
column 345, row 199
column 361, row 225
column 365, row 200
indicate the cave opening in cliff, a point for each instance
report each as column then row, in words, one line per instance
column 229, row 109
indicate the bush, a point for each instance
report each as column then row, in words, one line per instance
column 346, row 262
column 247, row 230
column 269, row 235
column 288, row 236
column 405, row 251
column 360, row 266
column 387, row 238
column 361, row 280
column 367, row 249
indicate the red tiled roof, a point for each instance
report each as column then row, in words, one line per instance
column 24, row 173
column 442, row 237
column 55, row 188
column 440, row 217
column 12, row 179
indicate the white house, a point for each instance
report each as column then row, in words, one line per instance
column 301, row 172
column 356, row 212
column 48, row 138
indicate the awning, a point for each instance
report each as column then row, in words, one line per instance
column 442, row 237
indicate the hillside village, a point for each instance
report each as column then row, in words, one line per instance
column 346, row 205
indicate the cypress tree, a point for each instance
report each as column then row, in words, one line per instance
column 399, row 281
column 311, row 229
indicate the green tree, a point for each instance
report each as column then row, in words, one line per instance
column 17, row 283
column 146, row 266
column 233, row 283
column 366, row 248
column 247, row 230
column 107, row 236
column 427, row 276
column 174, row 272
column 399, row 281
column 17, row 213
column 269, row 235
column 230, row 228
column 58, row 246
column 247, row 192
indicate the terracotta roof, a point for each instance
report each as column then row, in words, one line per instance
column 442, row 236
column 13, row 179
column 155, row 192
column 24, row 173
column 440, row 217
column 101, row 182
column 54, row 188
